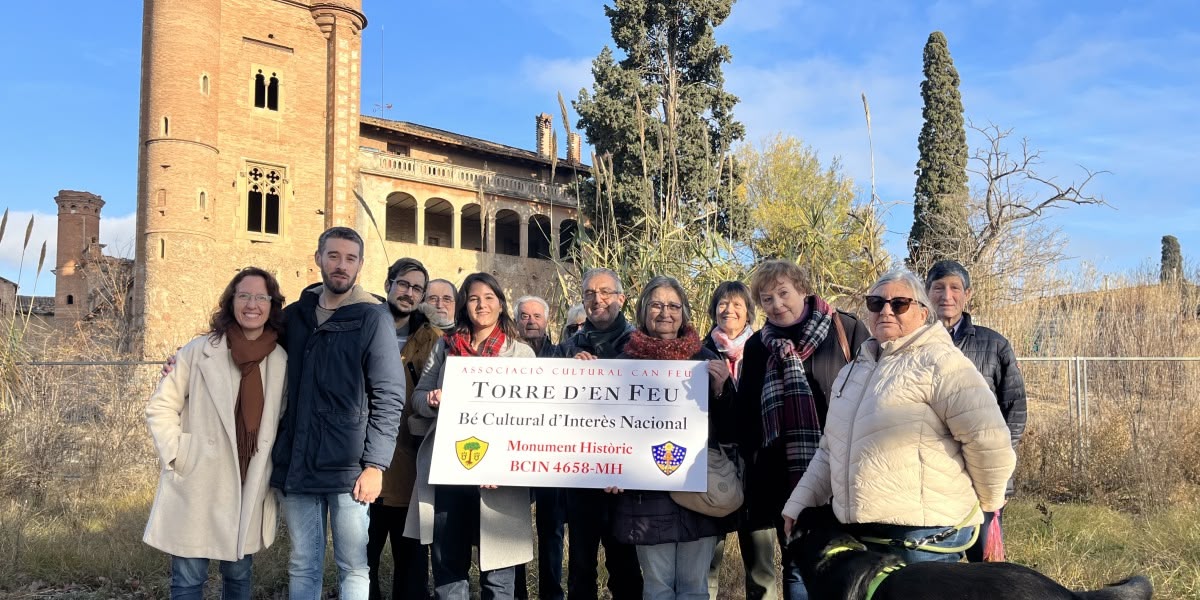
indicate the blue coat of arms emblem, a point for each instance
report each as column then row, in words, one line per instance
column 668, row 456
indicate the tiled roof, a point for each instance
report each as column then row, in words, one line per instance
column 464, row 141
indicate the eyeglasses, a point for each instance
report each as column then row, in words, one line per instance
column 899, row 305
column 245, row 298
column 403, row 286
column 666, row 306
column 439, row 300
column 590, row 295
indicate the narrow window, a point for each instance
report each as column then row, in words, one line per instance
column 204, row 84
column 166, row 126
column 254, row 209
column 162, row 248
column 271, row 218
column 273, row 93
column 203, row 200
column 260, row 91
column 70, row 299
column 162, row 197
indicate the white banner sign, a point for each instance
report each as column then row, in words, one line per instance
column 550, row 422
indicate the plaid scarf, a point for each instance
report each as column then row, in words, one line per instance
column 459, row 343
column 788, row 408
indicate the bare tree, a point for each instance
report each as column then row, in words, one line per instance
column 1013, row 250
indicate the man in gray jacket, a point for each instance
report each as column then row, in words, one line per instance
column 949, row 288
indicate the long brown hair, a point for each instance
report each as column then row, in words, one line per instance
column 505, row 322
column 223, row 319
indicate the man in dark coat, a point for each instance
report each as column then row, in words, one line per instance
column 589, row 511
column 337, row 436
column 949, row 288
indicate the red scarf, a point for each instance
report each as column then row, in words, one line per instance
column 683, row 347
column 459, row 343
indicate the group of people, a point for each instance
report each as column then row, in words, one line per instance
column 326, row 411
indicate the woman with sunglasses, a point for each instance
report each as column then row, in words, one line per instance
column 788, row 367
column 914, row 444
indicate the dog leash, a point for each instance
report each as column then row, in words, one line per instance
column 923, row 543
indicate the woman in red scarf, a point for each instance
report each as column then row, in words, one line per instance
column 674, row 544
column 213, row 501
column 453, row 517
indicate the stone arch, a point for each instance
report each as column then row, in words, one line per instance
column 568, row 231
column 471, row 226
column 400, row 220
column 540, row 234
column 439, row 223
column 508, row 232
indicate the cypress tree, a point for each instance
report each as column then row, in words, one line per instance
column 940, row 228
column 1171, row 270
column 663, row 114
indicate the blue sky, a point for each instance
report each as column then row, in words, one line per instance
column 1108, row 85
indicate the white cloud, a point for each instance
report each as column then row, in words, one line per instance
column 553, row 75
column 118, row 234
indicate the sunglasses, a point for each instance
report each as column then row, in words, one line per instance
column 899, row 305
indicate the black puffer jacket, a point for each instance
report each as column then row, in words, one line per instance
column 767, row 486
column 345, row 395
column 652, row 517
column 995, row 359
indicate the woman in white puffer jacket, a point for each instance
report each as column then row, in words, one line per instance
column 914, row 443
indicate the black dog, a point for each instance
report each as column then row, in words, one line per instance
column 835, row 566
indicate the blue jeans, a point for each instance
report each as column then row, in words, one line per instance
column 975, row 553
column 455, row 530
column 676, row 570
column 306, row 516
column 904, row 532
column 188, row 576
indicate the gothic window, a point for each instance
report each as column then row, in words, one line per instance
column 273, row 93
column 260, row 90
column 266, row 90
column 264, row 189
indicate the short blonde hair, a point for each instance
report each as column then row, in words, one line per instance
column 772, row 271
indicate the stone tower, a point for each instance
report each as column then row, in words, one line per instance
column 78, row 239
column 248, row 150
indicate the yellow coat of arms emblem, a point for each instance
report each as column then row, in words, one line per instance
column 470, row 451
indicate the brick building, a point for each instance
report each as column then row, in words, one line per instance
column 251, row 144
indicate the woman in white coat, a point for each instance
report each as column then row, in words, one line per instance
column 213, row 419
column 453, row 517
column 914, row 443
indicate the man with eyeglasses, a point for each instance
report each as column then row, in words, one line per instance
column 603, row 335
column 416, row 336
column 441, row 296
column 949, row 288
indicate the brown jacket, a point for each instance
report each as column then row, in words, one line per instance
column 398, row 480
